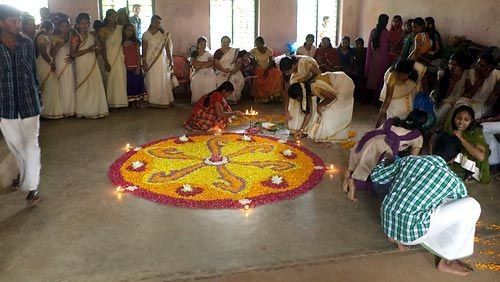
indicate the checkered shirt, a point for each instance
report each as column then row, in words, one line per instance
column 18, row 81
column 420, row 185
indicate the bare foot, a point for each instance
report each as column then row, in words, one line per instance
column 352, row 190
column 452, row 267
column 345, row 183
column 402, row 247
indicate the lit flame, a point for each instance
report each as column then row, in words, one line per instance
column 127, row 147
column 246, row 207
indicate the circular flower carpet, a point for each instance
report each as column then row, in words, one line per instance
column 217, row 171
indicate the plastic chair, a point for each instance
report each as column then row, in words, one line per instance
column 182, row 70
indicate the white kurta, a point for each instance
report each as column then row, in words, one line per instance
column 48, row 83
column 116, row 84
column 228, row 61
column 203, row 80
column 404, row 94
column 294, row 107
column 90, row 95
column 66, row 80
column 334, row 124
column 158, row 82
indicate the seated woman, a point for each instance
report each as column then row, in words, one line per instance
column 474, row 147
column 482, row 86
column 227, row 68
column 326, row 56
column 212, row 111
column 300, row 69
column 346, row 55
column 449, row 87
column 422, row 43
column 395, row 136
column 332, row 119
column 269, row 82
column 308, row 49
column 203, row 75
column 401, row 84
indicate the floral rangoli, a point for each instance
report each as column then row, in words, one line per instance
column 217, row 171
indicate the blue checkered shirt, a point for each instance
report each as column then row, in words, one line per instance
column 18, row 81
column 420, row 185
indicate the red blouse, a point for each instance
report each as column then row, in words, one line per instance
column 131, row 55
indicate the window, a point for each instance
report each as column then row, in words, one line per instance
column 234, row 18
column 147, row 9
column 318, row 17
column 32, row 7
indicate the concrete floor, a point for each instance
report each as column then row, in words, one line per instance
column 83, row 232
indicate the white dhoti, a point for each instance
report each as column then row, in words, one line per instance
column 452, row 228
column 21, row 136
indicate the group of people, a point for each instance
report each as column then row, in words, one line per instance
column 83, row 73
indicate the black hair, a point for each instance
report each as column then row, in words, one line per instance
column 45, row 25
column 156, row 17
column 430, row 20
column 447, row 146
column 443, row 83
column 225, row 36
column 359, row 39
column 98, row 24
column 287, row 63
column 404, row 66
column 133, row 37
column 488, row 58
column 26, row 18
column 61, row 18
column 419, row 21
column 397, row 17
column 416, row 119
column 260, row 39
column 464, row 108
column 309, row 36
column 109, row 13
column 136, row 6
column 295, row 92
column 194, row 54
column 81, row 17
column 225, row 86
column 7, row 11
column 329, row 42
column 383, row 20
column 241, row 54
column 48, row 25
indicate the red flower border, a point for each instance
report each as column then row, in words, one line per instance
column 117, row 179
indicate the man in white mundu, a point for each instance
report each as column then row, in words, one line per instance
column 157, row 56
column 114, row 61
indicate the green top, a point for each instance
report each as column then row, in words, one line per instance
column 420, row 185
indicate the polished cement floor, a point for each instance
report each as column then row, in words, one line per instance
column 81, row 231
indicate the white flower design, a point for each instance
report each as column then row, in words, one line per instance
column 137, row 149
column 282, row 141
column 318, row 167
column 183, row 138
column 245, row 201
column 187, row 188
column 137, row 164
column 267, row 125
column 276, row 179
column 287, row 152
column 131, row 188
column 246, row 138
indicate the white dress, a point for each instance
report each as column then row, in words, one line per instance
column 294, row 107
column 334, row 123
column 404, row 94
column 66, row 80
column 116, row 84
column 228, row 61
column 90, row 95
column 202, row 80
column 158, row 82
column 303, row 51
column 48, row 83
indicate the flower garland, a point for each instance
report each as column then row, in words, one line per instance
column 303, row 104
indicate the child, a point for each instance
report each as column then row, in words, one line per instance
column 135, row 80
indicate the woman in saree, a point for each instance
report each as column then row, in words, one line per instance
column 114, row 62
column 203, row 75
column 396, row 35
column 394, row 136
column 402, row 82
column 332, row 119
column 327, row 57
column 64, row 66
column 472, row 163
column 269, row 82
column 157, row 55
column 90, row 94
column 300, row 69
column 377, row 56
column 46, row 73
column 227, row 68
column 212, row 110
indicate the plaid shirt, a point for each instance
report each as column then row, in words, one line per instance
column 420, row 185
column 18, row 81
